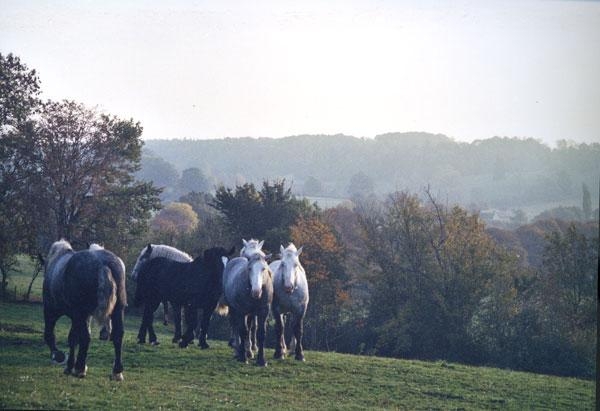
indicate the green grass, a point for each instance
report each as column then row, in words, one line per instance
column 166, row 377
column 20, row 277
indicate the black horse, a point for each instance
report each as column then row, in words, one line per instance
column 80, row 285
column 192, row 285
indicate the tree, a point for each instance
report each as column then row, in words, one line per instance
column 322, row 260
column 19, row 90
column 360, row 186
column 313, row 187
column 586, row 203
column 569, row 286
column 75, row 171
column 174, row 220
column 266, row 214
column 192, row 179
column 160, row 173
column 435, row 265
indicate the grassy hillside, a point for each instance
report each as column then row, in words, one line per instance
column 168, row 377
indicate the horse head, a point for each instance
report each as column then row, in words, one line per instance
column 290, row 264
column 252, row 247
column 145, row 255
column 258, row 270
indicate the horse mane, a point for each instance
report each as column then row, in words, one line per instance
column 166, row 251
column 58, row 249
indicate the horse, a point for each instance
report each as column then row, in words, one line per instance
column 194, row 285
column 80, row 285
column 248, row 291
column 290, row 295
column 249, row 248
column 148, row 253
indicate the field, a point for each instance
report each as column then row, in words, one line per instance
column 166, row 377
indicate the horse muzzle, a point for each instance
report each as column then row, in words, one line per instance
column 257, row 293
column 289, row 289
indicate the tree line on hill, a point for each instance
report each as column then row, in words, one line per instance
column 492, row 173
column 401, row 275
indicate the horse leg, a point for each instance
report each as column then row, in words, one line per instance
column 239, row 323
column 203, row 329
column 105, row 330
column 153, row 306
column 252, row 328
column 177, row 321
column 50, row 320
column 72, row 339
column 298, row 328
column 191, row 318
column 251, row 341
column 144, row 325
column 261, row 328
column 280, row 340
column 165, row 304
column 84, row 338
column 117, row 338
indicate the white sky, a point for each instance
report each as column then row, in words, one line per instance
column 200, row 69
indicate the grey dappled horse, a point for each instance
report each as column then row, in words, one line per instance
column 80, row 285
column 248, row 292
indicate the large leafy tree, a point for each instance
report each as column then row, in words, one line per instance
column 78, row 168
column 19, row 89
column 71, row 175
column 266, row 214
column 436, row 264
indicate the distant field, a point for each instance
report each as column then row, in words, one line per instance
column 166, row 377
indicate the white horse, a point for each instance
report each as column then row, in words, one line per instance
column 248, row 292
column 290, row 295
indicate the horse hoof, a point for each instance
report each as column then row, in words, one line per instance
column 279, row 356
column 117, row 377
column 300, row 358
column 183, row 344
column 262, row 363
column 80, row 373
column 175, row 340
column 155, row 343
column 58, row 357
column 67, row 371
column 141, row 342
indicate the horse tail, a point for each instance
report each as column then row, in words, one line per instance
column 222, row 308
column 107, row 295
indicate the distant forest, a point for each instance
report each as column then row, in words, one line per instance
column 496, row 173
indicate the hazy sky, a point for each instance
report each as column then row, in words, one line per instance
column 200, row 69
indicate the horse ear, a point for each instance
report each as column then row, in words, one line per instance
column 244, row 242
column 41, row 259
column 87, row 244
column 281, row 249
column 268, row 256
column 261, row 244
column 299, row 251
